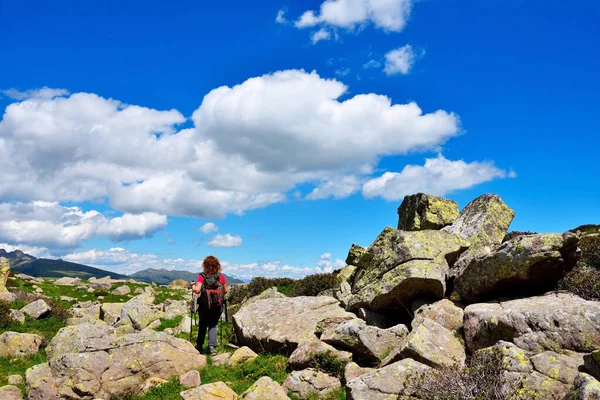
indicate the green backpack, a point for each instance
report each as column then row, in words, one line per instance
column 212, row 293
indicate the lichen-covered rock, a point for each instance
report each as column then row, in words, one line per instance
column 10, row 392
column 179, row 284
column 40, row 383
column 175, row 308
column 372, row 318
column 424, row 211
column 151, row 383
column 310, row 382
column 221, row 359
column 190, row 379
column 404, row 266
column 121, row 291
column 271, row 293
column 139, row 311
column 592, row 363
column 100, row 284
column 444, row 312
column 37, row 309
column 306, row 352
column 4, row 272
column 431, row 344
column 562, row 367
column 17, row 315
column 525, row 265
column 367, row 343
column 210, row 391
column 388, row 383
column 67, row 281
column 279, row 325
column 91, row 361
column 551, row 322
column 111, row 312
column 15, row 379
column 13, row 344
column 353, row 370
column 513, row 358
column 332, row 322
column 265, row 388
column 242, row 355
column 535, row 385
column 586, row 387
column 358, row 256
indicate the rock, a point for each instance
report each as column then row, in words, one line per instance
column 185, row 326
column 265, row 388
column 388, row 383
column 86, row 312
column 40, row 383
column 10, row 392
column 372, row 318
column 4, row 272
column 151, row 383
column 241, row 356
column 153, row 325
column 39, row 290
column 525, row 265
column 353, row 370
column 404, row 266
column 358, row 256
column 8, row 297
column 346, row 274
column 175, row 308
column 221, row 359
column 37, row 309
column 13, row 344
column 331, row 322
column 551, row 322
column 66, row 281
column 190, row 379
column 585, row 388
column 271, row 293
column 444, row 312
column 179, row 284
column 211, row 391
column 121, row 291
column 513, row 358
column 17, row 315
column 100, row 284
column 139, row 311
column 90, row 290
column 111, row 312
column 310, row 382
column 138, row 290
column 592, row 363
column 431, row 344
column 67, row 298
column 424, row 211
column 15, row 379
column 368, row 343
column 538, row 386
column 279, row 325
column 91, row 361
column 306, row 352
column 561, row 367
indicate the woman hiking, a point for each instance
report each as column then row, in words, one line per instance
column 212, row 286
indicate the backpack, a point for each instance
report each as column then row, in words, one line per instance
column 212, row 292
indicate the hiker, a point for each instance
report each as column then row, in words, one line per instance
column 212, row 286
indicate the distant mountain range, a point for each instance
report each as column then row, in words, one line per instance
column 47, row 268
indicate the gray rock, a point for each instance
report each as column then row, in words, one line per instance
column 310, row 382
column 372, row 318
column 111, row 312
column 121, row 290
column 221, row 359
column 66, row 281
column 139, row 311
column 444, row 312
column 586, row 387
column 353, row 370
column 17, row 315
column 190, row 379
column 424, row 211
column 4, row 272
column 592, row 363
column 551, row 322
column 563, row 367
column 13, row 344
column 513, row 358
column 265, row 389
column 15, row 379
column 306, row 352
column 100, row 284
column 210, row 391
column 10, row 392
column 8, row 296
column 37, row 309
column 241, row 356
column 67, row 298
column 175, row 308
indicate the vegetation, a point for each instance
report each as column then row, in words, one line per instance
column 312, row 285
column 166, row 391
column 583, row 281
column 587, row 229
column 328, row 363
column 59, row 268
column 590, row 250
column 18, row 366
column 256, row 286
column 513, row 234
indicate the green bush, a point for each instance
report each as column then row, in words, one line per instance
column 590, row 250
column 5, row 318
column 312, row 285
column 588, row 228
column 583, row 281
column 257, row 285
column 328, row 363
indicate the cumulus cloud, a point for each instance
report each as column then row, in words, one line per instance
column 372, row 64
column 226, row 240
column 438, row 176
column 321, row 34
column 326, row 265
column 37, row 252
column 338, row 188
column 43, row 93
column 53, row 226
column 209, row 227
column 399, row 61
column 389, row 15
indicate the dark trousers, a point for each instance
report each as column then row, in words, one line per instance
column 209, row 319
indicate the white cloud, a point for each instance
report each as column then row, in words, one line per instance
column 389, row 15
column 50, row 225
column 342, row 71
column 226, row 240
column 280, row 19
column 399, row 61
column 209, row 227
column 338, row 188
column 321, row 34
column 37, row 252
column 372, row 64
column 438, row 176
column 327, row 265
column 43, row 93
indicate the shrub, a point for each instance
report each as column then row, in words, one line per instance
column 583, row 281
column 57, row 310
column 588, row 228
column 5, row 318
column 590, row 250
column 257, row 285
column 312, row 285
column 328, row 363
column 513, row 234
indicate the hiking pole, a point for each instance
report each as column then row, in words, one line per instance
column 192, row 312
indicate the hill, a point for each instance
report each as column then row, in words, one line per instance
column 164, row 277
column 46, row 268
column 16, row 257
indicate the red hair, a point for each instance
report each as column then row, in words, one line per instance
column 211, row 265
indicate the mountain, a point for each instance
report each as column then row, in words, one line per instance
column 16, row 257
column 46, row 268
column 164, row 277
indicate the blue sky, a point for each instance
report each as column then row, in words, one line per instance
column 313, row 128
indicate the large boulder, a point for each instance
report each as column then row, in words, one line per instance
column 37, row 309
column 404, row 266
column 210, row 391
column 111, row 312
column 13, row 344
column 121, row 290
column 524, row 265
column 424, row 211
column 444, row 312
column 175, row 308
column 310, row 382
column 100, row 284
column 368, row 343
column 10, row 392
column 550, row 322
column 90, row 361
column 388, row 383
column 139, row 311
column 265, row 389
column 67, row 281
column 592, row 363
column 4, row 272
column 280, row 324
column 308, row 352
column 241, row 356
column 586, row 387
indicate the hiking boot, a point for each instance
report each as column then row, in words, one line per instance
column 212, row 351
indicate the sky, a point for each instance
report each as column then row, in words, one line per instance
column 276, row 134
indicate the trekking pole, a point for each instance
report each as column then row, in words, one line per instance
column 192, row 312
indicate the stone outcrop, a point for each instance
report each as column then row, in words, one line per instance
column 121, row 290
column 13, row 344
column 36, row 309
column 210, row 391
column 111, row 312
column 139, row 311
column 265, row 389
column 586, row 387
column 525, row 265
column 310, row 382
column 423, row 211
column 100, row 284
column 280, row 324
column 242, row 355
column 306, row 353
column 67, row 281
column 179, row 284
column 367, row 343
column 4, row 272
column 444, row 312
column 550, row 322
column 90, row 361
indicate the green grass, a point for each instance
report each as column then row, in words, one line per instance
column 169, row 323
column 225, row 335
column 338, row 394
column 18, row 366
column 163, row 293
column 166, row 391
column 46, row 327
column 287, row 290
